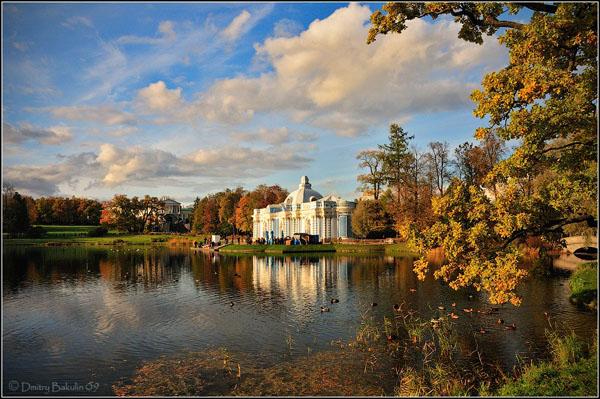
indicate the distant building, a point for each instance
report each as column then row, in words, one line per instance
column 305, row 211
column 175, row 217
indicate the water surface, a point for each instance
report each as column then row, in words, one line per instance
column 85, row 314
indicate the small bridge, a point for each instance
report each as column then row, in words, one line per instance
column 575, row 243
column 580, row 249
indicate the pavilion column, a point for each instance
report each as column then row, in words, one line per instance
column 321, row 228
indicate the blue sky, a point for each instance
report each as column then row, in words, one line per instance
column 183, row 99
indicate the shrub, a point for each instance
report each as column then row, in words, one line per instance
column 98, row 232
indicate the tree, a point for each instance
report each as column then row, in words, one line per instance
column 396, row 158
column 15, row 218
column 465, row 163
column 374, row 179
column 228, row 202
column 546, row 100
column 150, row 213
column 31, row 209
column 370, row 220
column 438, row 164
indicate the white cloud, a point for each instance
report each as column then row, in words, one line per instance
column 244, row 22
column 104, row 114
column 237, row 26
column 53, row 135
column 156, row 97
column 329, row 77
column 114, row 166
column 165, row 29
column 136, row 164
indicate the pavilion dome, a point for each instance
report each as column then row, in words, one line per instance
column 304, row 193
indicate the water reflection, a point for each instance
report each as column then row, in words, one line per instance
column 93, row 314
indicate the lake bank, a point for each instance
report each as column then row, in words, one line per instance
column 182, row 240
column 388, row 249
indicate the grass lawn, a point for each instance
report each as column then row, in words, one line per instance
column 584, row 285
column 77, row 235
column 55, row 231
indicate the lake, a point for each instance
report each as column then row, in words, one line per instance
column 93, row 315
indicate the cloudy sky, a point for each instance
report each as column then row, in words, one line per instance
column 190, row 98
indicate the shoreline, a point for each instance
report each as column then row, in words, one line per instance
column 167, row 240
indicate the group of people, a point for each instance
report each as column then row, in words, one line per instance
column 212, row 244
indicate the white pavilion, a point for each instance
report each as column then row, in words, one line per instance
column 305, row 211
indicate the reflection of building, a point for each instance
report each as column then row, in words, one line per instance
column 305, row 211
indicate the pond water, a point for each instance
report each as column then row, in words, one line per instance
column 82, row 314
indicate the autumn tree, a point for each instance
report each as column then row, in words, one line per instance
column 150, row 214
column 228, row 201
column 466, row 163
column 374, row 179
column 438, row 163
column 31, row 209
column 546, row 100
column 371, row 220
column 133, row 215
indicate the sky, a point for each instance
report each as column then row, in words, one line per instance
column 187, row 99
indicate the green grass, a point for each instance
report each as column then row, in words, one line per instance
column 584, row 285
column 56, row 231
column 111, row 239
column 360, row 248
column 571, row 372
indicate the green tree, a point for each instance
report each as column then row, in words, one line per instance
column 546, row 100
column 396, row 159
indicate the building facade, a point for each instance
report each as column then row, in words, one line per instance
column 175, row 217
column 305, row 211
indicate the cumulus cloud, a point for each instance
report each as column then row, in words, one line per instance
column 45, row 180
column 329, row 77
column 137, row 164
column 286, row 28
column 105, row 114
column 25, row 131
column 113, row 166
column 165, row 29
column 156, row 97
